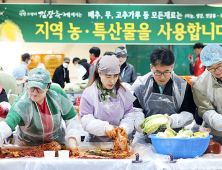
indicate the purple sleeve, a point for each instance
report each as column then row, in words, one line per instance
column 85, row 107
column 129, row 110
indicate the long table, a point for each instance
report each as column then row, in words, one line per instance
column 151, row 160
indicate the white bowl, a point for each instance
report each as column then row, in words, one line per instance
column 63, row 153
column 49, row 154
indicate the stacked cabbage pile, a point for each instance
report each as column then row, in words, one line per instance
column 76, row 86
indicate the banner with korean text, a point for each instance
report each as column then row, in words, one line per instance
column 128, row 24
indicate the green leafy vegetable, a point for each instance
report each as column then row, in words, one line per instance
column 154, row 123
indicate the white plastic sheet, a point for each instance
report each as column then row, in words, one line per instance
column 161, row 162
column 208, row 161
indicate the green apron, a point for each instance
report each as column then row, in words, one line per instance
column 32, row 132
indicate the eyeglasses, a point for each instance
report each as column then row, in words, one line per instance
column 214, row 69
column 159, row 73
column 118, row 56
column 32, row 89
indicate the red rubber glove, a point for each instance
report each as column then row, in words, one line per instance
column 3, row 111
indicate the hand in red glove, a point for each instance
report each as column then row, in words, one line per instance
column 3, row 111
column 191, row 59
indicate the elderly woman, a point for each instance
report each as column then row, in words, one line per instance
column 39, row 112
column 105, row 103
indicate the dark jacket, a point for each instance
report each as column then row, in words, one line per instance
column 191, row 69
column 187, row 104
column 3, row 95
column 58, row 76
column 86, row 65
column 128, row 73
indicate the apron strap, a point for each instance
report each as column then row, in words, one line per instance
column 9, row 92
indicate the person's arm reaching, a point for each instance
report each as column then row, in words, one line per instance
column 187, row 110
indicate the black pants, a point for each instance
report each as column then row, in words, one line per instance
column 197, row 118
